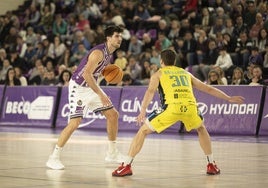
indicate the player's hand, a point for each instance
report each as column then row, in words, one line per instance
column 141, row 118
column 237, row 99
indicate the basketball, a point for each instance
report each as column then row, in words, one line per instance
column 113, row 74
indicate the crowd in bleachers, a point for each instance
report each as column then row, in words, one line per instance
column 219, row 41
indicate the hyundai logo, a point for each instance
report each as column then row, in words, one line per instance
column 203, row 108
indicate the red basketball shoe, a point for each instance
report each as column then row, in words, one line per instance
column 122, row 171
column 212, row 169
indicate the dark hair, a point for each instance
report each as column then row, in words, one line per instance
column 168, row 56
column 61, row 75
column 110, row 30
column 16, row 80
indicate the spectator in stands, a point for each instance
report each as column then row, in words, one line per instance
column 33, row 16
column 174, row 30
column 79, row 54
column 224, row 60
column 65, row 58
column 146, row 73
column 239, row 26
column 209, row 59
column 93, row 13
column 17, row 61
column 89, row 34
column 121, row 59
column 64, row 77
column 128, row 10
column 100, row 35
column 257, row 78
column 36, row 73
column 31, row 37
column 265, row 63
column 5, row 68
column 49, row 65
column 49, row 79
column 29, row 55
column 56, row 49
column 133, row 68
column 141, row 16
column 129, row 81
column 256, row 58
column 256, row 27
column 21, row 46
column 60, row 26
column 6, row 25
column 135, row 46
column 155, row 58
column 229, row 27
column 11, row 39
column 46, row 22
column 201, row 45
column 221, row 75
column 147, row 42
column 238, row 77
column 262, row 40
column 79, row 38
column 206, row 21
column 81, row 22
column 214, row 78
column 3, row 56
column 250, row 14
column 10, row 79
column 186, row 27
column 19, row 75
column 243, row 48
column 163, row 27
column 217, row 28
column 189, row 48
column 162, row 42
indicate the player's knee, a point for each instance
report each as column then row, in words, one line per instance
column 112, row 114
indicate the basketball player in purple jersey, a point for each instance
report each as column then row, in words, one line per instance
column 85, row 93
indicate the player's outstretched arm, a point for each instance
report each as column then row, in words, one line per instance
column 216, row 92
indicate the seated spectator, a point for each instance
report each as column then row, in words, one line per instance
column 36, row 74
column 162, row 42
column 78, row 39
column 257, row 78
column 256, row 58
column 33, row 16
column 121, row 59
column 133, row 68
column 11, row 79
column 224, row 61
column 20, row 76
column 238, row 77
column 135, row 46
column 49, row 79
column 56, row 49
column 222, row 75
column 265, row 63
column 128, row 81
column 5, row 68
column 60, row 26
column 78, row 55
column 82, row 22
column 3, row 56
column 64, row 78
column 214, row 78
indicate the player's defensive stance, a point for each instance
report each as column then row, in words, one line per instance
column 175, row 86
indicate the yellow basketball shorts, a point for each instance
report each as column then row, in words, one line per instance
column 162, row 119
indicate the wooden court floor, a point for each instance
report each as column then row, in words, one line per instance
column 165, row 161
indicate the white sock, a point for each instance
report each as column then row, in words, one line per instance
column 128, row 160
column 57, row 151
column 111, row 146
column 210, row 158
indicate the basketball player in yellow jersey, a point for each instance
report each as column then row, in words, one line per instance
column 175, row 86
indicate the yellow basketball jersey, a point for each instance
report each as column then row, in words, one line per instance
column 175, row 86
